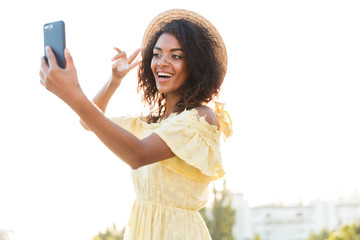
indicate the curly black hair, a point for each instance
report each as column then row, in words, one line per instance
column 206, row 74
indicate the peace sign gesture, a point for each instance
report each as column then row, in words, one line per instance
column 122, row 64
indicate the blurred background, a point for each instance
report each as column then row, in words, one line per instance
column 292, row 90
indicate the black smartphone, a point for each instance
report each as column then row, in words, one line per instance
column 54, row 36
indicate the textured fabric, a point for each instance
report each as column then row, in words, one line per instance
column 170, row 192
column 224, row 120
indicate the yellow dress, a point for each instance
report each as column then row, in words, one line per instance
column 170, row 192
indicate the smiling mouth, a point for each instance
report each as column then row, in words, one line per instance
column 164, row 75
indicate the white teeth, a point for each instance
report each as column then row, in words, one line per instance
column 162, row 74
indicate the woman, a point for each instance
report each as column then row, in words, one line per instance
column 174, row 151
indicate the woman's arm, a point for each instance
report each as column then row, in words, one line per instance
column 126, row 146
column 121, row 66
column 133, row 151
column 102, row 98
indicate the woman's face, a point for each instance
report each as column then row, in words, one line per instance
column 168, row 65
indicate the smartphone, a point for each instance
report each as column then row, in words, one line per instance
column 54, row 36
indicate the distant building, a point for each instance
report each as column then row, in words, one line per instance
column 242, row 228
column 347, row 210
column 279, row 222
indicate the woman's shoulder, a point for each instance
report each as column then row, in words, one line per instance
column 210, row 117
column 202, row 117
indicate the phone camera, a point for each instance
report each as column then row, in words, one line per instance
column 48, row 26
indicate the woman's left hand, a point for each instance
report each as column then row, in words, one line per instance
column 61, row 82
column 123, row 64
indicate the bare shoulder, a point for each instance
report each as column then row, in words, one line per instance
column 208, row 113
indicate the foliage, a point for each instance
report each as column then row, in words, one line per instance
column 221, row 218
column 257, row 237
column 346, row 232
column 323, row 235
column 111, row 233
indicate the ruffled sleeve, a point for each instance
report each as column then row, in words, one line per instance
column 196, row 145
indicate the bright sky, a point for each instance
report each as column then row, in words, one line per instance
column 292, row 90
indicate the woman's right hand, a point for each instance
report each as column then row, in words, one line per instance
column 122, row 64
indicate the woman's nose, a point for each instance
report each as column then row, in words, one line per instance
column 163, row 61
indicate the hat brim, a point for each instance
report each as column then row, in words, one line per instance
column 174, row 14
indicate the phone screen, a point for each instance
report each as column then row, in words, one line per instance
column 54, row 36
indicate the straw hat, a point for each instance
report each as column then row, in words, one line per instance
column 174, row 14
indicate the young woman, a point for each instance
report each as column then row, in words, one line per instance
column 174, row 151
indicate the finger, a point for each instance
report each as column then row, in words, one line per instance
column 44, row 65
column 68, row 59
column 117, row 49
column 120, row 55
column 42, row 82
column 134, row 64
column 41, row 74
column 42, row 78
column 133, row 56
column 51, row 57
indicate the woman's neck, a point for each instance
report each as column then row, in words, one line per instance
column 170, row 105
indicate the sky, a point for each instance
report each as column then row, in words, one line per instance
column 292, row 90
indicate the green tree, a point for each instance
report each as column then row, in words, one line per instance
column 257, row 237
column 221, row 217
column 346, row 232
column 111, row 233
column 322, row 235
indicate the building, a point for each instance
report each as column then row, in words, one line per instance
column 347, row 210
column 242, row 228
column 282, row 223
column 279, row 222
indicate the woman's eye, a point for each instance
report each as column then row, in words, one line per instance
column 176, row 56
column 156, row 55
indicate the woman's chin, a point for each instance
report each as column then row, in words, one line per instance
column 161, row 88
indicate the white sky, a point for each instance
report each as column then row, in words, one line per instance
column 292, row 90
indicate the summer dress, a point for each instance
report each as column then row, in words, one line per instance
column 170, row 192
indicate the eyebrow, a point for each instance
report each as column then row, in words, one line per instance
column 171, row 50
